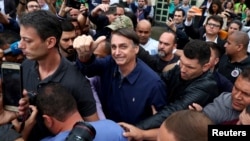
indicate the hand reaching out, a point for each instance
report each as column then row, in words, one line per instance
column 195, row 107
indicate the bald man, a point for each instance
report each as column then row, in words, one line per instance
column 143, row 30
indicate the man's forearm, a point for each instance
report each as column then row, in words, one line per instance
column 150, row 134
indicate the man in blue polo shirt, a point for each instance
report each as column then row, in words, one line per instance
column 129, row 86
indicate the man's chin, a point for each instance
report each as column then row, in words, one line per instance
column 237, row 106
column 71, row 51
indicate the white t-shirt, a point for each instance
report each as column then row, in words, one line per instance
column 151, row 46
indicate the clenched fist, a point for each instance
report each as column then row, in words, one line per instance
column 85, row 45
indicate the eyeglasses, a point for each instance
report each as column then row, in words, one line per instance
column 213, row 25
column 33, row 6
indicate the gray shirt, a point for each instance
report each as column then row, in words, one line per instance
column 221, row 110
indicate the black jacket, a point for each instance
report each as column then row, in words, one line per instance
column 201, row 90
column 10, row 8
column 182, row 37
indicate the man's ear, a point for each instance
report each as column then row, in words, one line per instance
column 217, row 59
column 51, row 42
column 240, row 47
column 206, row 67
column 136, row 49
column 48, row 121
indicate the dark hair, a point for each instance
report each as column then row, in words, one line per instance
column 197, row 49
column 245, row 74
column 54, row 100
column 238, row 22
column 44, row 22
column 188, row 125
column 67, row 26
column 180, row 9
column 214, row 47
column 216, row 18
column 128, row 33
column 117, row 5
column 9, row 36
column 26, row 5
column 218, row 3
column 225, row 4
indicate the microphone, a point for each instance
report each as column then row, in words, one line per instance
column 13, row 49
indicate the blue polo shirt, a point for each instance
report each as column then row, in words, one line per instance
column 112, row 132
column 127, row 99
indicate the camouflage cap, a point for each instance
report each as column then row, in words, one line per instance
column 121, row 22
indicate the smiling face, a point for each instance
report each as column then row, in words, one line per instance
column 123, row 51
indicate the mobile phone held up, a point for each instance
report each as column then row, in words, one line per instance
column 111, row 10
column 73, row 3
column 12, row 85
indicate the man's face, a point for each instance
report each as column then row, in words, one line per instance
column 141, row 3
column 190, row 68
column 166, row 44
column 144, row 32
column 123, row 51
column 74, row 13
column 178, row 17
column 66, row 43
column 32, row 46
column 119, row 11
column 212, row 27
column 185, row 1
column 231, row 46
column 240, row 93
column 214, row 59
column 86, row 27
column 32, row 6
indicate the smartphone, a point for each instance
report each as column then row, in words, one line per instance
column 12, row 85
column 73, row 3
column 112, row 10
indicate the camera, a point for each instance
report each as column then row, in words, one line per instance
column 73, row 3
column 82, row 131
column 232, row 15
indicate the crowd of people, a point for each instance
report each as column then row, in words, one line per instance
column 91, row 69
